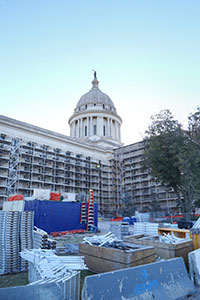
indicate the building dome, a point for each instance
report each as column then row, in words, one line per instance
column 95, row 118
column 95, row 97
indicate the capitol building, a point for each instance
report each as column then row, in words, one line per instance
column 92, row 157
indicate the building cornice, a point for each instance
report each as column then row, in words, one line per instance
column 48, row 133
column 92, row 112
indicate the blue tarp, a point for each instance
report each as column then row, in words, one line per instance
column 53, row 216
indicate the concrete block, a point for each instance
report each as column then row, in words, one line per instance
column 167, row 280
column 194, row 266
column 32, row 292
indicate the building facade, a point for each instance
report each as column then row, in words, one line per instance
column 93, row 157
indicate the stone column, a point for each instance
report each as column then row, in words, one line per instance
column 73, row 129
column 116, row 133
column 111, row 129
column 87, row 126
column 77, row 129
column 91, row 127
column 107, row 133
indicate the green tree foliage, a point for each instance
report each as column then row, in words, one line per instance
column 172, row 155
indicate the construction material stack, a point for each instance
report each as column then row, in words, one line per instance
column 41, row 240
column 26, row 234
column 9, row 242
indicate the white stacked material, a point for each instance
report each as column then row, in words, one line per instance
column 194, row 266
column 41, row 194
column 47, row 261
column 146, row 228
column 69, row 197
column 46, row 267
column 142, row 217
column 9, row 242
column 101, row 240
column 14, row 205
column 152, row 228
column 196, row 227
column 41, row 240
column 26, row 234
column 119, row 229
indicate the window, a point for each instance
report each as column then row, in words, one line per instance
column 104, row 130
column 95, row 130
column 85, row 130
column 103, row 106
column 85, row 106
column 94, row 104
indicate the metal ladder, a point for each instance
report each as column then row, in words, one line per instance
column 90, row 214
column 83, row 212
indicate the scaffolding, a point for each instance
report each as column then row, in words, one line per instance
column 13, row 166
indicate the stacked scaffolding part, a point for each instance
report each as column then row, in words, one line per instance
column 46, row 267
column 146, row 227
column 9, row 242
column 16, row 234
column 41, row 240
column 26, row 234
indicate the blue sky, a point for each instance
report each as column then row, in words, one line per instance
column 146, row 53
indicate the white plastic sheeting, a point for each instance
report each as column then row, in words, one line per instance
column 41, row 194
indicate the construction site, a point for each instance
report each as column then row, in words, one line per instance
column 82, row 219
column 55, row 247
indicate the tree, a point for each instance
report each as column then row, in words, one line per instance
column 172, row 157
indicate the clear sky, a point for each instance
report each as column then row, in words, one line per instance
column 146, row 53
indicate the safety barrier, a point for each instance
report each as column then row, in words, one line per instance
column 167, row 280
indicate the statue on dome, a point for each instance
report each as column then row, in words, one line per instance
column 95, row 74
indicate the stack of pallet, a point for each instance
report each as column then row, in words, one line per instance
column 9, row 241
column 26, row 234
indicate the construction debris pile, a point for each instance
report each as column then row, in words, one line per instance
column 170, row 238
column 101, row 240
column 46, row 267
column 108, row 240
